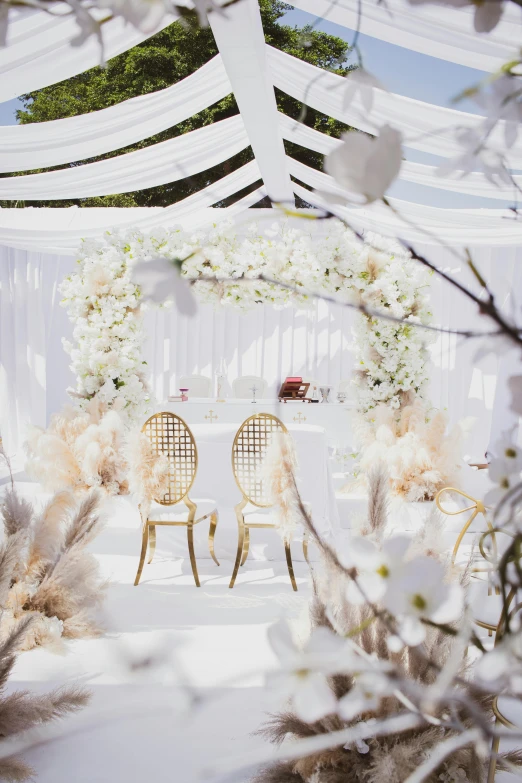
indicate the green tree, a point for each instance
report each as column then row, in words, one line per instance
column 164, row 59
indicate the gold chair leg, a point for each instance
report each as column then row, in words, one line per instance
column 305, row 546
column 290, row 565
column 493, row 758
column 239, row 555
column 144, row 542
column 190, row 538
column 246, row 546
column 211, row 534
column 152, row 542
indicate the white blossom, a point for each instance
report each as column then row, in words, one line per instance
column 364, row 166
column 419, row 592
column 303, row 673
column 160, row 279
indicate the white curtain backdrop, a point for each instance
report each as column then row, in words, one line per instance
column 34, row 373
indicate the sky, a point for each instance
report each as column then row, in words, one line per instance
column 401, row 71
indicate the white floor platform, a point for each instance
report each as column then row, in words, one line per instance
column 151, row 723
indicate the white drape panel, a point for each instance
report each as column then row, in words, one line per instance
column 44, row 144
column 33, row 366
column 317, row 342
column 61, row 231
column 271, row 343
column 431, row 224
column 473, row 184
column 440, row 31
column 158, row 164
column 425, row 126
column 39, row 53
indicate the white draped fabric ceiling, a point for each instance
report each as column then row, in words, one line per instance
column 250, row 69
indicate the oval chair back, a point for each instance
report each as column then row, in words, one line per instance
column 168, row 434
column 249, row 449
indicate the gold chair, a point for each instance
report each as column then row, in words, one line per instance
column 168, row 434
column 477, row 507
column 248, row 453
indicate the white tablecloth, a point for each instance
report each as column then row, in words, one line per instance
column 215, row 480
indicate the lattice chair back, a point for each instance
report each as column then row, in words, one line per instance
column 251, row 443
column 168, row 434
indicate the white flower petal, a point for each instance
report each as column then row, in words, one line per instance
column 314, row 699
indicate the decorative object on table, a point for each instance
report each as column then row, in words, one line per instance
column 293, row 389
column 253, row 390
column 169, row 435
column 79, row 450
column 341, row 397
column 325, row 393
column 211, row 416
column 47, row 574
column 242, row 386
column 249, row 451
column 220, row 387
column 299, row 418
column 175, row 398
column 184, row 395
column 199, row 385
column 313, row 389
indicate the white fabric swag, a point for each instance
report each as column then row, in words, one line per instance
column 39, row 52
column 430, row 225
column 443, row 32
column 45, row 144
column 158, row 164
column 473, row 184
column 60, row 231
column 425, row 126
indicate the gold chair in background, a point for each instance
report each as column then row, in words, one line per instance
column 476, row 507
column 250, row 445
column 168, row 434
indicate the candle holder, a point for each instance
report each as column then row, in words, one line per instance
column 184, row 395
column 325, row 393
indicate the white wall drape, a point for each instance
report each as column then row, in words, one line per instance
column 34, row 371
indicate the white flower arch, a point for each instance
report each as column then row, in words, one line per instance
column 104, row 303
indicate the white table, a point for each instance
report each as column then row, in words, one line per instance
column 335, row 418
column 215, row 480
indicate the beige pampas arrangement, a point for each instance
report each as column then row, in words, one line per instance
column 21, row 710
column 79, row 450
column 420, row 454
column 278, row 470
column 46, row 572
column 149, row 472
